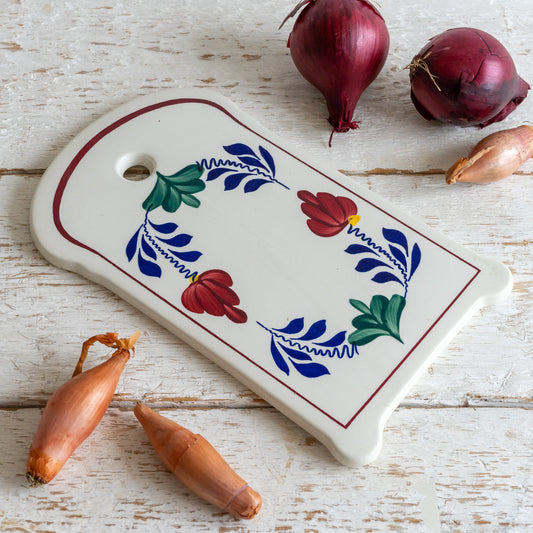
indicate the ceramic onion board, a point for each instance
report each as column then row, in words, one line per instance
column 320, row 296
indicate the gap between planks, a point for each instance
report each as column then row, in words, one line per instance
column 262, row 404
column 24, row 172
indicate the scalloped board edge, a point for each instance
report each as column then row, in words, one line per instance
column 355, row 442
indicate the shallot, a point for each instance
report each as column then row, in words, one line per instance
column 339, row 46
column 465, row 76
column 198, row 465
column 495, row 157
column 75, row 409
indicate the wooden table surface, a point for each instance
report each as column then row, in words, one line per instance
column 457, row 452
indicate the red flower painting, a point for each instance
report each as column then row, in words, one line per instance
column 210, row 292
column 328, row 214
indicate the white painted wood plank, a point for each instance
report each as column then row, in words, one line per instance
column 64, row 66
column 48, row 312
column 460, row 470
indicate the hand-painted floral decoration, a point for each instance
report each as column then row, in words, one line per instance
column 393, row 261
column 252, row 168
column 170, row 192
column 210, row 292
column 292, row 344
column 154, row 242
column 328, row 214
column 381, row 318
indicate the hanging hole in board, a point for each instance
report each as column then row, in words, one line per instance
column 136, row 173
column 136, row 167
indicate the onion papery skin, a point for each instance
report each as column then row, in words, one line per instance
column 71, row 415
column 495, row 157
column 197, row 464
column 473, row 79
column 339, row 46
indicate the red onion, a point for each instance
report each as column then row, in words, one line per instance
column 339, row 46
column 466, row 77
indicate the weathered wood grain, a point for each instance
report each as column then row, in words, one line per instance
column 457, row 452
column 440, row 470
column 64, row 66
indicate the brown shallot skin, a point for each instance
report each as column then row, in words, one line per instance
column 198, row 465
column 495, row 157
column 75, row 409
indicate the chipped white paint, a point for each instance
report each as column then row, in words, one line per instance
column 441, row 470
column 65, row 65
column 457, row 453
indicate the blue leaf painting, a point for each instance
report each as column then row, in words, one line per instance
column 214, row 173
column 316, row 330
column 252, row 162
column 188, row 257
column 278, row 358
column 233, row 181
column 238, row 149
column 166, row 228
column 268, row 159
column 365, row 265
column 147, row 249
column 416, row 255
column 178, row 241
column 148, row 268
column 310, row 370
column 131, row 247
column 336, row 340
column 254, row 184
column 398, row 255
column 296, row 354
column 396, row 237
column 359, row 249
column 385, row 277
column 293, row 327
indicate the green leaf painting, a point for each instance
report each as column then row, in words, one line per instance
column 381, row 318
column 170, row 192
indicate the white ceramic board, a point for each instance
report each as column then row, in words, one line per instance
column 320, row 296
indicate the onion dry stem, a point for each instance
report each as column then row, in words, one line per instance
column 420, row 63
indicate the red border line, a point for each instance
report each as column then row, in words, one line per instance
column 410, row 352
column 99, row 136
